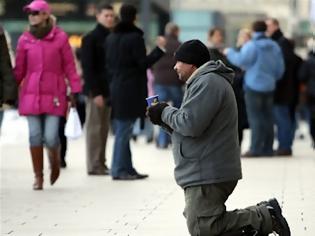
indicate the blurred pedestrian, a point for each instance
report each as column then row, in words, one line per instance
column 126, row 63
column 96, row 88
column 216, row 43
column 262, row 60
column 166, row 83
column 286, row 91
column 206, row 149
column 307, row 76
column 8, row 86
column 148, row 129
column 43, row 61
column 244, row 36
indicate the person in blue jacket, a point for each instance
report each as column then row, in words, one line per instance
column 262, row 60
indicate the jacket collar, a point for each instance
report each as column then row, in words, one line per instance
column 123, row 27
column 277, row 35
column 49, row 36
column 101, row 28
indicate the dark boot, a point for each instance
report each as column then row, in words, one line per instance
column 279, row 223
column 54, row 160
column 38, row 165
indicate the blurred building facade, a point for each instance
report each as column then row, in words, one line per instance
column 77, row 17
column 196, row 16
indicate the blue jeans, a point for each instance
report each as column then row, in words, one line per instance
column 1, row 117
column 285, row 126
column 147, row 131
column 168, row 93
column 122, row 162
column 259, row 106
column 43, row 129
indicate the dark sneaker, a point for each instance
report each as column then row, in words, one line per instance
column 140, row 176
column 249, row 154
column 279, row 223
column 130, row 177
column 281, row 152
column 99, row 172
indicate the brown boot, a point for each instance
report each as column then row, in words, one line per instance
column 38, row 165
column 53, row 154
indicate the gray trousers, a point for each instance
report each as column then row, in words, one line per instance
column 206, row 213
column 97, row 125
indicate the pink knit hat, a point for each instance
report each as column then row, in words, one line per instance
column 37, row 5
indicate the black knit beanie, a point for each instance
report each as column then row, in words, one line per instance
column 193, row 52
column 128, row 13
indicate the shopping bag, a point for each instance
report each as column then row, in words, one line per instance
column 73, row 128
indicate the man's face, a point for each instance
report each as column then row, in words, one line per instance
column 37, row 17
column 217, row 38
column 106, row 18
column 271, row 27
column 184, row 70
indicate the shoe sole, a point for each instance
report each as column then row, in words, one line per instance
column 277, row 209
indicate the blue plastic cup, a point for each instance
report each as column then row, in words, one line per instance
column 152, row 100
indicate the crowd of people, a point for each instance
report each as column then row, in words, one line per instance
column 208, row 96
column 118, row 74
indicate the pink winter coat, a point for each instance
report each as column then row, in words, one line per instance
column 42, row 66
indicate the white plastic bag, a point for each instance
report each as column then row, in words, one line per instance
column 73, row 128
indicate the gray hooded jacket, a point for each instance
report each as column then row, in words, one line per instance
column 204, row 138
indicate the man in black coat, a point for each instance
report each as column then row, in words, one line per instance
column 96, row 88
column 126, row 64
column 285, row 93
column 307, row 76
column 8, row 85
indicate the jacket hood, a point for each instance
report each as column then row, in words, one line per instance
column 262, row 41
column 217, row 67
column 124, row 27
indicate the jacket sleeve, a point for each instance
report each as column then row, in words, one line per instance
column 304, row 72
column 197, row 112
column 139, row 54
column 9, row 84
column 20, row 61
column 243, row 58
column 281, row 64
column 88, row 65
column 69, row 67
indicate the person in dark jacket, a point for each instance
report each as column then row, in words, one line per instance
column 307, row 76
column 96, row 88
column 126, row 63
column 8, row 86
column 166, row 83
column 206, row 149
column 285, row 92
column 216, row 44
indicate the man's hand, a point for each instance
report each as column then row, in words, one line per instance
column 161, row 42
column 99, row 101
column 155, row 112
column 73, row 99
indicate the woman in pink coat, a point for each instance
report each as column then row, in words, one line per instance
column 44, row 61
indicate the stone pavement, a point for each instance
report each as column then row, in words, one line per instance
column 83, row 205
